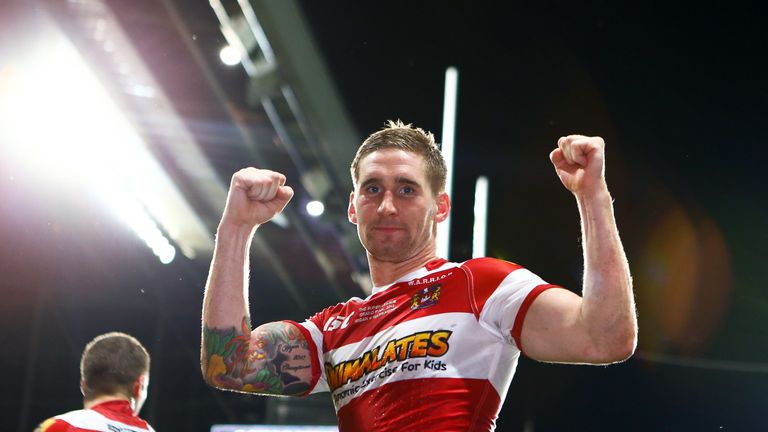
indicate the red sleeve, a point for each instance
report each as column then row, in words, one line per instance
column 320, row 319
column 502, row 293
column 313, row 356
column 485, row 275
column 54, row 425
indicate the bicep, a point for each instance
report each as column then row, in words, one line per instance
column 554, row 331
column 273, row 359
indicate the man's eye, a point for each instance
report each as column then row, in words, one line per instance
column 372, row 189
column 407, row 190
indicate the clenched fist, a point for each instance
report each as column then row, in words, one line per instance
column 580, row 163
column 255, row 196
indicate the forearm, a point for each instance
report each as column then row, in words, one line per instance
column 232, row 356
column 226, row 291
column 608, row 308
column 225, row 304
column 272, row 359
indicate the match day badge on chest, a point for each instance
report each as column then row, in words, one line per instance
column 426, row 297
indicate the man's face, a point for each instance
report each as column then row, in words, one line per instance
column 393, row 206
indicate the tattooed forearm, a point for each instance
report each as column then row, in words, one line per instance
column 272, row 359
column 223, row 358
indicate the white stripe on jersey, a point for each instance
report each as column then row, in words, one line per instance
column 90, row 419
column 317, row 338
column 502, row 306
column 466, row 341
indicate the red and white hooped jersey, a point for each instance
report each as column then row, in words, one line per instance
column 436, row 350
column 112, row 416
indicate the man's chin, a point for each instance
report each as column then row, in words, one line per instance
column 388, row 253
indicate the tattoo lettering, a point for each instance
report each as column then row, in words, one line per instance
column 273, row 359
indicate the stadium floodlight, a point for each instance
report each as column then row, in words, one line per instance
column 481, row 217
column 65, row 130
column 229, row 55
column 315, row 208
column 449, row 128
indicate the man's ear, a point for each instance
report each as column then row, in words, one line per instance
column 82, row 386
column 443, row 207
column 351, row 212
column 138, row 387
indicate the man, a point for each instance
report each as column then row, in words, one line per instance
column 436, row 344
column 114, row 376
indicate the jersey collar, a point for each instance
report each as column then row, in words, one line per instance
column 432, row 266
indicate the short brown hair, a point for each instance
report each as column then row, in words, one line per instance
column 111, row 363
column 397, row 135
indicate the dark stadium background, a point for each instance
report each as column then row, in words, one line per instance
column 677, row 90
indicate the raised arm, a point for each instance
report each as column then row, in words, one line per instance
column 274, row 358
column 600, row 326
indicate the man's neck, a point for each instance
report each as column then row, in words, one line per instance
column 387, row 272
column 105, row 398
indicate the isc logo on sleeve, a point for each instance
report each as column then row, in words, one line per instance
column 337, row 322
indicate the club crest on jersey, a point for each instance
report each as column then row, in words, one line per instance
column 426, row 297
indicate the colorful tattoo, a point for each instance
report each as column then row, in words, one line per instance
column 272, row 359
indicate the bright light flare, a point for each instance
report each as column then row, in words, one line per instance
column 53, row 119
column 315, row 208
column 229, row 55
column 131, row 212
column 64, row 129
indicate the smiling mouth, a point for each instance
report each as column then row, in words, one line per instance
column 388, row 228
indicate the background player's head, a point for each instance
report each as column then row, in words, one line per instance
column 397, row 135
column 115, row 364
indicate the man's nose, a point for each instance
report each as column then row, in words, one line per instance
column 387, row 205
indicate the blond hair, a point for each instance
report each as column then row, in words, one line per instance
column 398, row 135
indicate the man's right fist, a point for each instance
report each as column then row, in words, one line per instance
column 255, row 197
